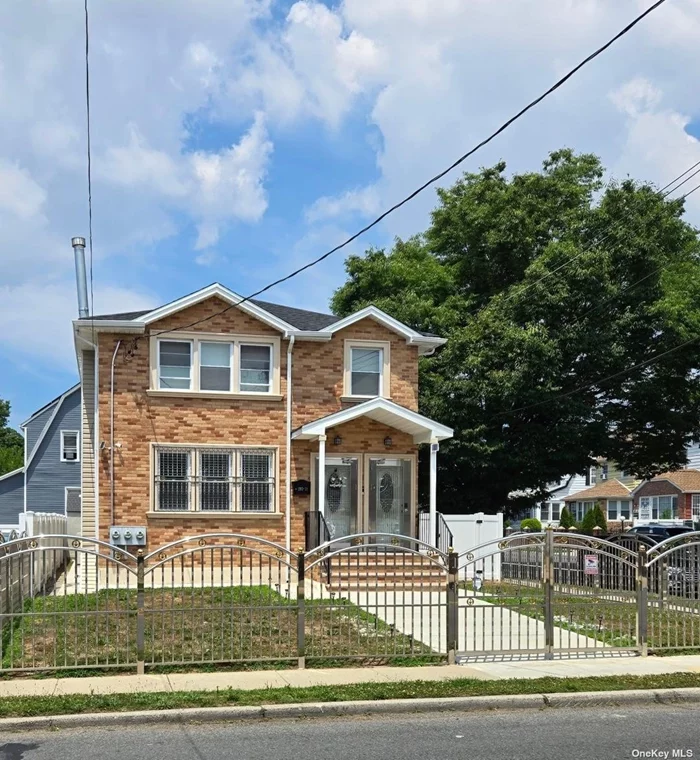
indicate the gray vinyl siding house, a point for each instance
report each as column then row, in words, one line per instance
column 50, row 478
column 11, row 497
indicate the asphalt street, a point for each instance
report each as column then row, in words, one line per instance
column 605, row 733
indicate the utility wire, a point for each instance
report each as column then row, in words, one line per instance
column 89, row 155
column 437, row 177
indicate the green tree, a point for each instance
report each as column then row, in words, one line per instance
column 11, row 442
column 549, row 286
column 588, row 523
column 600, row 519
column 566, row 521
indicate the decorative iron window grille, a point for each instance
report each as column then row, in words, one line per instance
column 202, row 479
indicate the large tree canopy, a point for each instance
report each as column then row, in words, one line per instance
column 11, row 442
column 557, row 294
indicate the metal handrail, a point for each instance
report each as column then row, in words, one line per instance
column 444, row 539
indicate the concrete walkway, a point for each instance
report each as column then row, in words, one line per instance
column 487, row 670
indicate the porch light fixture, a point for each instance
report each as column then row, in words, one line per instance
column 337, row 440
column 388, row 442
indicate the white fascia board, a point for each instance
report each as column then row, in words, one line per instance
column 11, row 473
column 46, row 428
column 430, row 427
column 225, row 294
column 44, row 408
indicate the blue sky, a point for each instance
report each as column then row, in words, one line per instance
column 234, row 140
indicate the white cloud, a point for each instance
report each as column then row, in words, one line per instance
column 20, row 195
column 364, row 201
column 636, row 96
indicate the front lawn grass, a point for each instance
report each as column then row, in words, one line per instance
column 187, row 626
column 607, row 616
column 14, row 707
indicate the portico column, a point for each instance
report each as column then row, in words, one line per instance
column 320, row 502
column 433, row 491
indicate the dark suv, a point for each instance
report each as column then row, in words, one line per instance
column 660, row 532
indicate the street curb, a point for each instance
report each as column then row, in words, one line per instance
column 342, row 709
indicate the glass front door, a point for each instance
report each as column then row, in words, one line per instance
column 389, row 507
column 341, row 508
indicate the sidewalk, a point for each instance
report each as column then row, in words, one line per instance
column 261, row 679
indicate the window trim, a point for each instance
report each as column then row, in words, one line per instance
column 235, row 341
column 384, row 377
column 76, row 433
column 194, row 450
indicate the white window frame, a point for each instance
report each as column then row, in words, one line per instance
column 384, row 375
column 256, row 344
column 695, row 507
column 194, row 452
column 235, row 342
column 64, row 433
column 231, row 379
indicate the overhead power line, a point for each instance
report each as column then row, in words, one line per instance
column 435, row 178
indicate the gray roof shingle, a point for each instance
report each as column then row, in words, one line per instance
column 301, row 319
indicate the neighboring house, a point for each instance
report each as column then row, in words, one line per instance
column 614, row 497
column 671, row 495
column 50, row 478
column 224, row 413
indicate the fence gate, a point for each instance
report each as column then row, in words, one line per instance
column 501, row 600
column 673, row 609
column 376, row 598
column 593, row 594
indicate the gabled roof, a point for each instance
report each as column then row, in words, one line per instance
column 57, row 403
column 687, row 481
column 289, row 320
column 423, row 429
column 606, row 489
column 12, row 473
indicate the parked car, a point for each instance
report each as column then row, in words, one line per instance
column 660, row 532
column 683, row 575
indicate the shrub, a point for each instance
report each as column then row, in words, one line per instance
column 566, row 521
column 588, row 522
column 600, row 519
column 531, row 523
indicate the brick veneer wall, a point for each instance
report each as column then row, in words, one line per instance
column 141, row 419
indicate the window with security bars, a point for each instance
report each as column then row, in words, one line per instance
column 214, row 480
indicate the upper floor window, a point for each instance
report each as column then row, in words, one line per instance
column 256, row 366
column 366, row 369
column 69, row 446
column 212, row 364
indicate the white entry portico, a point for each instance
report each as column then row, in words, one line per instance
column 394, row 470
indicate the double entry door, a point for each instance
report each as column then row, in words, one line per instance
column 367, row 493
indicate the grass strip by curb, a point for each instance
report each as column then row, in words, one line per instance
column 16, row 707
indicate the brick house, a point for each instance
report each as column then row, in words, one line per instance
column 208, row 415
column 614, row 497
column 669, row 495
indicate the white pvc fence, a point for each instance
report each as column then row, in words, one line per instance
column 474, row 530
column 28, row 574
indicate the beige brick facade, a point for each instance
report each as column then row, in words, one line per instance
column 142, row 419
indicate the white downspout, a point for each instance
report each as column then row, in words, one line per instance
column 111, row 434
column 288, row 468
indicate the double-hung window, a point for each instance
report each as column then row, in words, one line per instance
column 215, row 361
column 205, row 479
column 213, row 364
column 69, row 446
column 695, row 507
column 366, row 369
column 256, row 368
column 175, row 364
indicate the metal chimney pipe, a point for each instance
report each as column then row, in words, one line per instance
column 78, row 244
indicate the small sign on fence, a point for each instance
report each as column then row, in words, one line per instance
column 590, row 564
